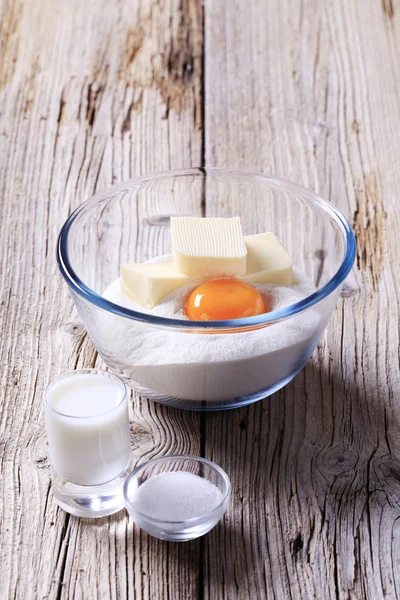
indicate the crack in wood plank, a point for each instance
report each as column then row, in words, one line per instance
column 174, row 67
column 388, row 9
column 9, row 40
column 369, row 228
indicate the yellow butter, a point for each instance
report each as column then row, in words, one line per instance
column 148, row 283
column 267, row 260
column 208, row 247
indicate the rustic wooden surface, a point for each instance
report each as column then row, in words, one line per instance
column 92, row 93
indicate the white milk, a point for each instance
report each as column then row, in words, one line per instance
column 87, row 427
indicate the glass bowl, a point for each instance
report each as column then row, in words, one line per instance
column 174, row 505
column 196, row 364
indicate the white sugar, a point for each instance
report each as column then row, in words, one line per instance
column 176, row 496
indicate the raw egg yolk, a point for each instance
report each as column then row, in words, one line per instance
column 221, row 299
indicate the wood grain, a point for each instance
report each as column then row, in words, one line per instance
column 309, row 91
column 93, row 93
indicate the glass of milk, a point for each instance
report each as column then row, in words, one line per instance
column 88, row 432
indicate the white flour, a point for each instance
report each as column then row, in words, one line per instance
column 208, row 367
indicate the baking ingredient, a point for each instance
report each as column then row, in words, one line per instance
column 149, row 282
column 267, row 260
column 203, row 246
column 223, row 299
column 176, row 496
column 206, row 367
column 206, row 248
column 88, row 428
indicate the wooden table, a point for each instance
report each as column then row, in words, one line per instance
column 96, row 92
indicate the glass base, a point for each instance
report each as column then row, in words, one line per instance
column 166, row 532
column 90, row 501
column 214, row 405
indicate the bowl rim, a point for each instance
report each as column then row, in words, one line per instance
column 247, row 323
column 167, row 458
column 84, row 371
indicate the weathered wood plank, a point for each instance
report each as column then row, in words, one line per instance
column 309, row 91
column 91, row 93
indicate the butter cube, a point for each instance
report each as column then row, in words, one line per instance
column 209, row 247
column 148, row 283
column 267, row 260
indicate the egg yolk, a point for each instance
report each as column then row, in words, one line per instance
column 221, row 299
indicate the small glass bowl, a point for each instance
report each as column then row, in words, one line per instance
column 177, row 530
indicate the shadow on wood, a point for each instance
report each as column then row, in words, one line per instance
column 319, row 460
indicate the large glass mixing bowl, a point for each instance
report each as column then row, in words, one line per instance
column 196, row 364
